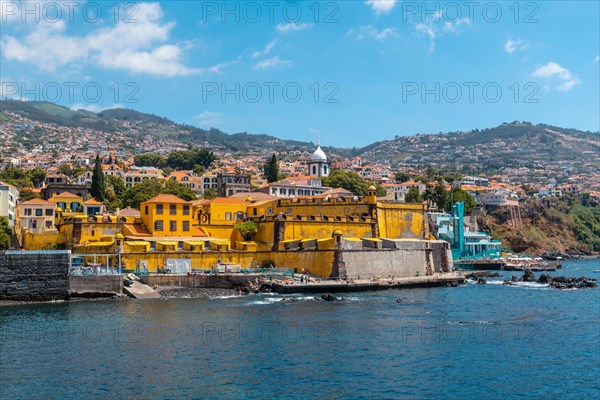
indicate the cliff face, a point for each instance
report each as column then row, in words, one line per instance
column 550, row 227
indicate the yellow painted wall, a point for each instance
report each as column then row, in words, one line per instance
column 150, row 216
column 318, row 263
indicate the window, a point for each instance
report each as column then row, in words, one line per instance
column 186, row 209
column 186, row 226
column 158, row 225
column 145, row 210
column 48, row 212
column 172, row 226
column 38, row 212
column 228, row 216
column 239, row 216
column 173, row 209
column 28, row 211
column 159, row 209
column 48, row 224
column 270, row 210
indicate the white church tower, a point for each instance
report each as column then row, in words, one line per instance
column 318, row 166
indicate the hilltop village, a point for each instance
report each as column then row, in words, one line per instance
column 160, row 195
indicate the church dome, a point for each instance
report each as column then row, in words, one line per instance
column 318, row 155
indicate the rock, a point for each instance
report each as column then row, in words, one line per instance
column 482, row 274
column 328, row 297
column 528, row 276
column 400, row 300
column 513, row 279
column 545, row 278
column 481, row 281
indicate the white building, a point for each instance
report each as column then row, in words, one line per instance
column 318, row 165
column 9, row 195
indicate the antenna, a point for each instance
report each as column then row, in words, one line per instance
column 319, row 139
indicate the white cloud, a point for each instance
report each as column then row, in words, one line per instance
column 292, row 27
column 94, row 107
column 510, row 46
column 135, row 47
column 568, row 85
column 381, row 6
column 433, row 28
column 209, row 118
column 369, row 31
column 555, row 72
column 551, row 70
column 265, row 51
column 274, row 62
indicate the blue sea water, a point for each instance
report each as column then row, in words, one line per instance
column 471, row 342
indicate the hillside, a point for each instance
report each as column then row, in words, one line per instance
column 551, row 226
column 516, row 144
column 120, row 120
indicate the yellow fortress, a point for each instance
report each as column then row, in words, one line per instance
column 308, row 234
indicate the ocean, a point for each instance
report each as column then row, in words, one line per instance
column 472, row 342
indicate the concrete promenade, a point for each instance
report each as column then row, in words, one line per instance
column 363, row 285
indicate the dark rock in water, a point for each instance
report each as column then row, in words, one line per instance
column 481, row 281
column 454, row 283
column 399, row 300
column 482, row 274
column 290, row 300
column 513, row 279
column 528, row 276
column 329, row 297
column 545, row 278
column 561, row 282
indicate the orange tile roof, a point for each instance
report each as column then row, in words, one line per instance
column 37, row 202
column 166, row 198
column 92, row 202
column 229, row 200
column 66, row 194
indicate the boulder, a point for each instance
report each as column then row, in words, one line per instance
column 481, row 281
column 545, row 278
column 329, row 297
column 528, row 276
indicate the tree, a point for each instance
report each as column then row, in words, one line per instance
column 402, row 177
column 37, row 176
column 352, row 182
column 149, row 160
column 440, row 196
column 26, row 195
column 65, row 169
column 210, row 194
column 110, row 160
column 5, row 233
column 115, row 190
column 247, row 229
column 205, row 158
column 98, row 189
column 145, row 190
column 176, row 188
column 413, row 195
column 271, row 169
column 465, row 197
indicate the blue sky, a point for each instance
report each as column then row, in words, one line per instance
column 351, row 72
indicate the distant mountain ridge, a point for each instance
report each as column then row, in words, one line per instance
column 516, row 142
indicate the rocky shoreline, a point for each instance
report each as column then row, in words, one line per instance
column 180, row 292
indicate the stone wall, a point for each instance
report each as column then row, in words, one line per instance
column 399, row 258
column 34, row 275
column 95, row 285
